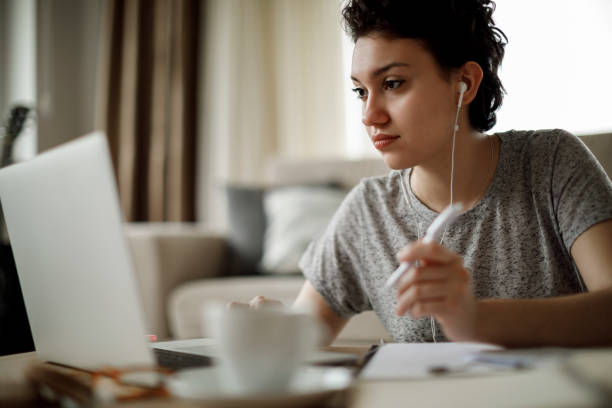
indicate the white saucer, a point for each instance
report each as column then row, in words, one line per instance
column 310, row 386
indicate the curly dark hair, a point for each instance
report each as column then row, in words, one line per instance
column 454, row 31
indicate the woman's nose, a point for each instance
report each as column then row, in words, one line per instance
column 374, row 112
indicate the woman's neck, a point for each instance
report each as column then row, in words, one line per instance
column 475, row 162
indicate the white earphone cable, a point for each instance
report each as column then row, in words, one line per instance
column 452, row 172
column 462, row 89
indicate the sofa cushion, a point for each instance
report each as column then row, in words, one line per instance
column 295, row 216
column 601, row 146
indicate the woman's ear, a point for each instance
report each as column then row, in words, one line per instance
column 471, row 74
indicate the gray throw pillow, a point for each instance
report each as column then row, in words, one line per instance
column 247, row 225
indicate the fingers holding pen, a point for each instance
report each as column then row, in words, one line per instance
column 437, row 280
column 420, row 274
column 419, row 294
column 444, row 286
column 422, row 285
column 430, row 262
column 431, row 252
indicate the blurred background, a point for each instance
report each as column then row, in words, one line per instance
column 197, row 94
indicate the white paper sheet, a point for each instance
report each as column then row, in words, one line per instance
column 415, row 360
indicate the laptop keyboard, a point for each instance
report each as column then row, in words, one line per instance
column 175, row 360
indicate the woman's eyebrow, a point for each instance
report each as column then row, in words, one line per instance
column 385, row 68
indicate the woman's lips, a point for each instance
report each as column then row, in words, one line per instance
column 383, row 141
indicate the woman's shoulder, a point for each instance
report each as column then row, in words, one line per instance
column 551, row 157
column 381, row 185
column 542, row 146
column 366, row 201
column 376, row 189
column 537, row 138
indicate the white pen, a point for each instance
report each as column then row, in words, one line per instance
column 439, row 224
column 501, row 360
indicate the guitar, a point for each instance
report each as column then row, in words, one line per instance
column 17, row 118
column 15, row 334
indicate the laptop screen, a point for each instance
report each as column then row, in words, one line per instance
column 64, row 221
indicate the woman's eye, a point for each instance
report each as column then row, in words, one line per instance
column 393, row 84
column 360, row 93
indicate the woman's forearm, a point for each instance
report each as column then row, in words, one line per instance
column 572, row 321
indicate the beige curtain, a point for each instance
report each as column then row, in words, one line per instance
column 271, row 87
column 147, row 105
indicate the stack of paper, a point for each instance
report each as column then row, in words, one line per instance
column 419, row 360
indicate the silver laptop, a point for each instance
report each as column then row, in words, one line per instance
column 65, row 226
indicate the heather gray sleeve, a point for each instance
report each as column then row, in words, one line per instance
column 332, row 263
column 582, row 192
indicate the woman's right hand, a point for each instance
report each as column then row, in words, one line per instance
column 258, row 302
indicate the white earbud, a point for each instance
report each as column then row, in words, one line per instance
column 462, row 87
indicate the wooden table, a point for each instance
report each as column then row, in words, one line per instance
column 538, row 387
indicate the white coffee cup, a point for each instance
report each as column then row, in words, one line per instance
column 260, row 350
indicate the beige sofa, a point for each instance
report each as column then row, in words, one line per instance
column 180, row 267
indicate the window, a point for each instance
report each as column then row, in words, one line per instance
column 557, row 65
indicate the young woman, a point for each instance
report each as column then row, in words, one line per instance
column 527, row 263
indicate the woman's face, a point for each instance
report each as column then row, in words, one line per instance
column 408, row 106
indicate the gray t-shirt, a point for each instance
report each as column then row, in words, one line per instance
column 547, row 189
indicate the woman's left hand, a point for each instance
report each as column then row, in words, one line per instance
column 440, row 287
